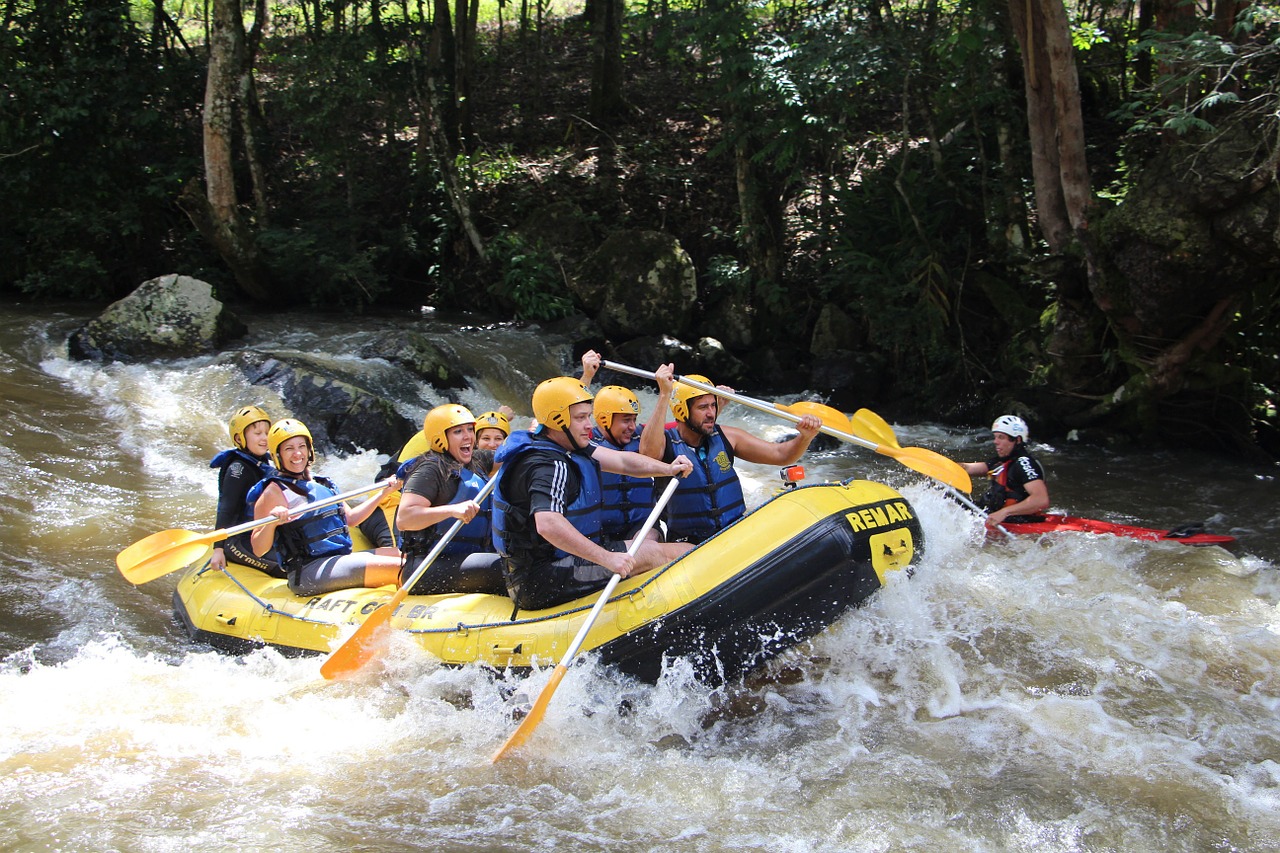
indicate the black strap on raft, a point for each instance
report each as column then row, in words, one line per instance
column 1192, row 529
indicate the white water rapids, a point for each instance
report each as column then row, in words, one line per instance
column 1071, row 693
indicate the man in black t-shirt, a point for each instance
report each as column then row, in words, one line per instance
column 1018, row 491
column 547, row 508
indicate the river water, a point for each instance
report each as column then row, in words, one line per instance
column 1057, row 694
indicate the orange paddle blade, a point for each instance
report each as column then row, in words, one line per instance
column 164, row 552
column 536, row 713
column 364, row 645
column 829, row 416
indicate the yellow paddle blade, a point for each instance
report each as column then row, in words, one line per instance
column 364, row 645
column 829, row 416
column 869, row 425
column 931, row 464
column 536, row 713
column 164, row 552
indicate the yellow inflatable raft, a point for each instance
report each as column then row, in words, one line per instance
column 777, row 576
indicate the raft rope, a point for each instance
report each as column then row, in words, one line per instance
column 651, row 577
column 266, row 605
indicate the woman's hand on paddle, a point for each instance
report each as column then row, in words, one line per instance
column 465, row 511
column 681, row 467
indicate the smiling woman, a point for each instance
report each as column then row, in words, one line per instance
column 315, row 548
column 445, row 484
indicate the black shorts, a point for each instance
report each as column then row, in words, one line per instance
column 565, row 579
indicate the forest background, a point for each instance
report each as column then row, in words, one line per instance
column 1070, row 211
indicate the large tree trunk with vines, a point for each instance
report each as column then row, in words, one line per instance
column 1056, row 129
column 217, row 213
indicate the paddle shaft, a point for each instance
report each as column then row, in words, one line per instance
column 294, row 514
column 749, row 402
column 973, row 507
column 358, row 648
column 572, row 651
column 539, row 709
column 169, row 550
column 448, row 536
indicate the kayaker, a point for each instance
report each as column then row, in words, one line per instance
column 547, row 519
column 239, row 469
column 492, row 428
column 315, row 548
column 711, row 498
column 439, row 487
column 1018, row 491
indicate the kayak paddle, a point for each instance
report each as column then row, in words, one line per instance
column 169, row 550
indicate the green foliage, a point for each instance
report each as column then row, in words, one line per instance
column 897, row 284
column 90, row 169
column 1201, row 74
column 529, row 282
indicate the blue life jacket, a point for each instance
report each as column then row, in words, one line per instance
column 710, row 498
column 223, row 461
column 626, row 500
column 319, row 533
column 514, row 532
column 473, row 538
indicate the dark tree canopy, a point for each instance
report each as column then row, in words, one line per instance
column 950, row 210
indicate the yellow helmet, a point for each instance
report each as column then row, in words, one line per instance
column 440, row 420
column 614, row 400
column 681, row 396
column 494, row 420
column 244, row 418
column 553, row 397
column 282, row 431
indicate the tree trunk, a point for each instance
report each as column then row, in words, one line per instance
column 607, row 99
column 1062, row 193
column 434, row 146
column 1054, row 122
column 464, row 52
column 218, row 218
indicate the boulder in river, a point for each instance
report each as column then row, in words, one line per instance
column 173, row 316
column 341, row 412
column 421, row 355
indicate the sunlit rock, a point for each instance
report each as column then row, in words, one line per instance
column 173, row 316
column 419, row 354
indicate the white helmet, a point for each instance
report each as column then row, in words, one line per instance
column 1012, row 426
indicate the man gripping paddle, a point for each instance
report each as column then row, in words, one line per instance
column 711, row 498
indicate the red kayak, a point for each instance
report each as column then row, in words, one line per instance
column 1188, row 534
